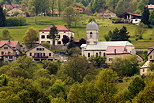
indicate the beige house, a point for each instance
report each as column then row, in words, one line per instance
column 144, row 70
column 40, row 53
column 15, row 12
column 62, row 31
column 93, row 47
column 106, row 13
column 9, row 50
column 79, row 8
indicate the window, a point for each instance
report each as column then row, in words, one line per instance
column 150, row 57
column 5, row 47
column 49, row 54
column 48, row 42
column 104, row 54
column 91, row 34
column 59, row 42
column 30, row 54
column 143, row 69
column 2, row 53
column 96, row 54
column 48, row 36
column 100, row 54
column 42, row 36
column 43, row 54
column 40, row 49
column 88, row 54
column 58, row 36
column 110, row 59
column 42, row 32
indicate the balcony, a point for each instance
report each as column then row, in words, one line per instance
column 40, row 57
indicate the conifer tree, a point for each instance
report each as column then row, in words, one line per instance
column 145, row 16
column 2, row 18
column 53, row 33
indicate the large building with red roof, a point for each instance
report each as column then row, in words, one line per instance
column 62, row 31
column 9, row 7
column 9, row 50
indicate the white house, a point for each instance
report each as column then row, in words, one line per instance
column 62, row 31
column 93, row 47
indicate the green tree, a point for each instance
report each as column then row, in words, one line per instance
column 126, row 66
column 6, row 35
column 77, row 68
column 145, row 16
column 135, row 87
column 140, row 30
column 2, row 18
column 30, row 38
column 152, row 17
column 69, row 14
column 147, row 95
column 71, row 43
column 53, row 33
column 65, row 40
column 97, row 61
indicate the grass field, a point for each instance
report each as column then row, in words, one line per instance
column 105, row 26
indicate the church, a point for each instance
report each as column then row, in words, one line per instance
column 109, row 49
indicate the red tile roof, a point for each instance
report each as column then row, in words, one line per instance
column 150, row 6
column 12, row 6
column 10, row 54
column 59, row 28
column 11, row 43
column 116, row 50
column 152, row 47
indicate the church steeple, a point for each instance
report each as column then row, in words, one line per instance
column 92, row 33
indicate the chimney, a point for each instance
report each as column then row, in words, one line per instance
column 115, row 51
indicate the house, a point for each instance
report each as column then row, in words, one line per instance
column 110, row 49
column 150, row 7
column 114, row 52
column 106, row 13
column 40, row 53
column 9, row 7
column 62, row 31
column 9, row 50
column 55, row 12
column 144, row 70
column 15, row 12
column 79, row 8
column 128, row 17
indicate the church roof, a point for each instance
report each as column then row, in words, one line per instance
column 104, row 45
column 92, row 26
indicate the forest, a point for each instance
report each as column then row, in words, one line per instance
column 119, row 6
column 79, row 80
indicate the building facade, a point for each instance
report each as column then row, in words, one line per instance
column 62, row 31
column 40, row 53
column 9, row 50
column 93, row 47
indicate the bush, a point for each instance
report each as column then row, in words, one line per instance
column 15, row 21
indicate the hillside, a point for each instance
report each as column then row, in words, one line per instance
column 105, row 26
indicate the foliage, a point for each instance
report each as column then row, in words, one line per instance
column 135, row 87
column 16, row 21
column 145, row 16
column 74, row 51
column 98, row 61
column 152, row 17
column 6, row 35
column 71, row 43
column 2, row 18
column 127, row 66
column 118, row 35
column 140, row 30
column 30, row 38
column 151, row 66
column 82, row 41
column 65, row 39
column 53, row 33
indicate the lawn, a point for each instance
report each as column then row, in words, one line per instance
column 105, row 26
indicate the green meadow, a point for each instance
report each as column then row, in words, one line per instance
column 105, row 25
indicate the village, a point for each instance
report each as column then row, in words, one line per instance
column 81, row 54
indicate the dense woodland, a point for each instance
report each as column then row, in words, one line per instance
column 119, row 6
column 76, row 81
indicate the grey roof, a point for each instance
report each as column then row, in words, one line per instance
column 92, row 26
column 104, row 45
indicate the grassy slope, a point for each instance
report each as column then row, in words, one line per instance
column 80, row 32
